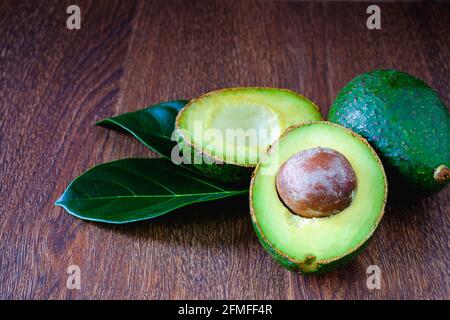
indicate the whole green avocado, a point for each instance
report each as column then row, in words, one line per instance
column 405, row 121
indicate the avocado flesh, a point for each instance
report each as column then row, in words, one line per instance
column 404, row 120
column 268, row 110
column 311, row 244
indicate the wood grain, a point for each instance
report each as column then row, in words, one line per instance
column 55, row 83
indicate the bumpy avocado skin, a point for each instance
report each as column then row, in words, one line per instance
column 226, row 172
column 403, row 119
column 305, row 268
column 229, row 173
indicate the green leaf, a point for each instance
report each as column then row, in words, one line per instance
column 153, row 126
column 137, row 189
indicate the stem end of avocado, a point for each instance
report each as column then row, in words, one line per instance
column 441, row 174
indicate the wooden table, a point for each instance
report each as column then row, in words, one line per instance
column 55, row 83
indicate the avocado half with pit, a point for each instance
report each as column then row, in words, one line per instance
column 225, row 133
column 404, row 120
column 317, row 197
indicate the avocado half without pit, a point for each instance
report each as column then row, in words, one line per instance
column 225, row 133
column 317, row 197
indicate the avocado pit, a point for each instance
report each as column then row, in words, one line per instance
column 316, row 183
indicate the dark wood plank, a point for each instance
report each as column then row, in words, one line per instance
column 56, row 83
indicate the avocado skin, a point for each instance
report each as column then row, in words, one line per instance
column 228, row 173
column 319, row 268
column 403, row 119
column 225, row 172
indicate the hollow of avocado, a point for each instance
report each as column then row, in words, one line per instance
column 224, row 133
column 317, row 197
